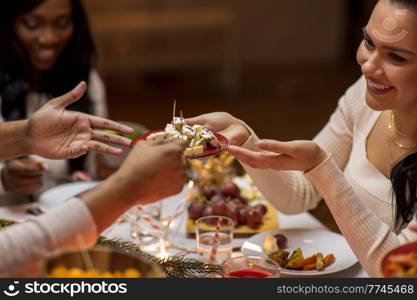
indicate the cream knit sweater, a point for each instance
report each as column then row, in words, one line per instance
column 69, row 226
column 360, row 201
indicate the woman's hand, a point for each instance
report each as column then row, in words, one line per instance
column 57, row 133
column 22, row 176
column 295, row 155
column 225, row 124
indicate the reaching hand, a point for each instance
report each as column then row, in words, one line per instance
column 225, row 124
column 22, row 176
column 57, row 133
column 154, row 171
column 295, row 155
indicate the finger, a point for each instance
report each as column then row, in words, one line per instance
column 103, row 148
column 72, row 96
column 26, row 167
column 110, row 138
column 102, row 123
column 274, row 146
column 253, row 159
column 199, row 120
column 77, row 150
column 262, row 160
column 29, row 189
column 23, row 182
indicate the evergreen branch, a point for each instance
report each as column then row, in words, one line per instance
column 173, row 266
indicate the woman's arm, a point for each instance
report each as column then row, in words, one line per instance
column 290, row 191
column 367, row 235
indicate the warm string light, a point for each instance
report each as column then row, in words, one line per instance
column 391, row 127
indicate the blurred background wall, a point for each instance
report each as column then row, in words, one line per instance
column 279, row 65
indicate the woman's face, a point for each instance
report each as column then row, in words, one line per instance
column 388, row 57
column 45, row 31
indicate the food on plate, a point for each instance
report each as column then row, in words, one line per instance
column 402, row 265
column 217, row 191
column 64, row 272
column 197, row 137
column 274, row 243
column 280, row 256
column 315, row 262
column 270, row 244
column 282, row 241
column 296, row 260
column 224, row 201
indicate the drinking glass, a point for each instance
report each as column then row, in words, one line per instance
column 145, row 223
column 214, row 237
column 250, row 267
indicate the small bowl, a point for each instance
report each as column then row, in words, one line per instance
column 105, row 260
column 404, row 249
column 250, row 267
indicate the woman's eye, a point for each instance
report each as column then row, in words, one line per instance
column 369, row 44
column 396, row 57
column 64, row 23
column 30, row 24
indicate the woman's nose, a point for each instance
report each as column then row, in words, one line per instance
column 48, row 37
column 372, row 66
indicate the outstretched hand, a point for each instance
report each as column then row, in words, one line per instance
column 295, row 155
column 225, row 124
column 57, row 133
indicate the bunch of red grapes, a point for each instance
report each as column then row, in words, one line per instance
column 226, row 200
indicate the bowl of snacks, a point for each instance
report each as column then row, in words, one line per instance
column 101, row 262
column 400, row 262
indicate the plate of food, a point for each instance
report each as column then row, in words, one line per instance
column 200, row 141
column 218, row 191
column 302, row 252
column 400, row 262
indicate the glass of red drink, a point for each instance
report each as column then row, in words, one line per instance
column 250, row 267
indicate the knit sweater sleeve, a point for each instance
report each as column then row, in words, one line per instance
column 290, row 191
column 68, row 226
column 367, row 235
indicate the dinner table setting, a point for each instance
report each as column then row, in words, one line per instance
column 219, row 226
column 162, row 230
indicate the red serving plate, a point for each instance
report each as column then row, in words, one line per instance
column 223, row 141
column 404, row 249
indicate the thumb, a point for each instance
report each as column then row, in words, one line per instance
column 72, row 96
column 275, row 146
column 199, row 120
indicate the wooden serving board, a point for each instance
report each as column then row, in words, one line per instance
column 270, row 222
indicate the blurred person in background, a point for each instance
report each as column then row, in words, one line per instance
column 372, row 137
column 46, row 49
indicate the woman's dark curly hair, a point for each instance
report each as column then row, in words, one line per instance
column 73, row 65
column 404, row 183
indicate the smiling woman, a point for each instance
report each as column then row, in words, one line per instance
column 47, row 48
column 371, row 137
column 45, row 32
